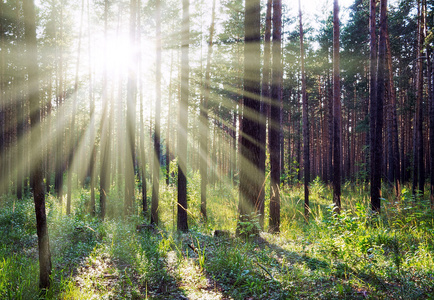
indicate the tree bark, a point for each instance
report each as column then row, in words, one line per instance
column 183, row 119
column 131, row 120
column 337, row 111
column 306, row 154
column 35, row 118
column 275, row 114
column 250, row 149
column 204, row 124
column 418, row 169
column 265, row 104
column 157, row 133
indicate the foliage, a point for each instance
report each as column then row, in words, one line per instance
column 335, row 256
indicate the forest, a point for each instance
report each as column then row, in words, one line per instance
column 216, row 149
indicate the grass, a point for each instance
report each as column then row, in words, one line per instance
column 354, row 255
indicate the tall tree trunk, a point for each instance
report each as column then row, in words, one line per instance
column 375, row 180
column 265, row 106
column 275, row 115
column 73, row 112
column 336, row 111
column 394, row 140
column 169, row 117
column 306, row 154
column 250, row 148
column 92, row 143
column 35, row 118
column 204, row 124
column 418, row 170
column 378, row 105
column 104, row 184
column 157, row 133
column 129, row 199
column 431, row 120
column 183, row 119
column 58, row 180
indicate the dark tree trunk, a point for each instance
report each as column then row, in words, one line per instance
column 306, row 154
column 377, row 159
column 250, row 149
column 275, row 101
column 35, row 118
column 336, row 111
column 374, row 144
column 431, row 121
column 183, row 119
column 394, row 140
column 157, row 133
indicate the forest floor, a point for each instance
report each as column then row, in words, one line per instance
column 353, row 255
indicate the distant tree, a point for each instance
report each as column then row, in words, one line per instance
column 274, row 134
column 157, row 133
column 35, row 118
column 131, row 118
column 183, row 119
column 104, row 176
column 73, row 113
column 250, row 148
column 336, row 110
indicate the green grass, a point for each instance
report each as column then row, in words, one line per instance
column 354, row 255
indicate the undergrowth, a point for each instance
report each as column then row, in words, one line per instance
column 351, row 255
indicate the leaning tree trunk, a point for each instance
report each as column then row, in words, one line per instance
column 35, row 118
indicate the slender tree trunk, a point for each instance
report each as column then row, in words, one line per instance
column 92, row 143
column 72, row 125
column 275, row 116
column 336, row 111
column 306, row 158
column 169, row 117
column 35, row 118
column 157, row 148
column 131, row 120
column 265, row 104
column 183, row 119
column 204, row 124
column 419, row 174
column 104, row 184
column 374, row 144
column 431, row 121
column 393, row 118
